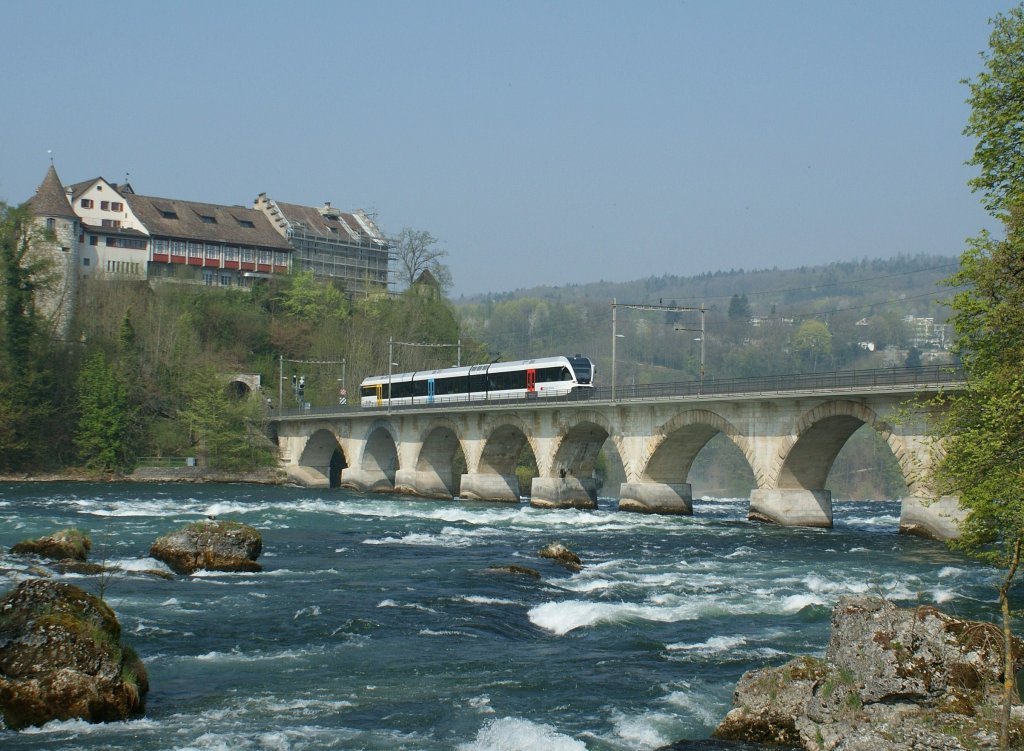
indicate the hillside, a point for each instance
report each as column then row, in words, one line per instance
column 813, row 318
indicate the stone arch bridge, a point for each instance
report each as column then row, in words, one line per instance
column 790, row 432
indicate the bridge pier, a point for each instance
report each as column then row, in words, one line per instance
column 936, row 519
column 656, row 497
column 421, row 482
column 563, row 492
column 309, row 477
column 366, row 481
column 791, row 507
column 490, row 486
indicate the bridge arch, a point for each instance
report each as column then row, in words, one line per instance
column 375, row 468
column 323, row 453
column 806, row 457
column 794, row 492
column 505, row 438
column 492, row 458
column 579, row 443
column 682, row 439
column 435, row 467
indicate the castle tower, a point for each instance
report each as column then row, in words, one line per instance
column 55, row 235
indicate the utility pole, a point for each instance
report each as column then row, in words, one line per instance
column 669, row 309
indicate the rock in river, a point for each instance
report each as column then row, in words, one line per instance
column 61, row 658
column 210, row 545
column 893, row 679
column 67, row 544
column 559, row 552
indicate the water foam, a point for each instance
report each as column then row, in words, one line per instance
column 713, row 645
column 481, row 600
column 648, row 730
column 516, row 734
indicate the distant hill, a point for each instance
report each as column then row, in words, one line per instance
column 913, row 279
column 872, row 311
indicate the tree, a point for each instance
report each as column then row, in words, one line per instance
column 311, row 299
column 416, row 253
column 812, row 340
column 997, row 115
column 106, row 418
column 27, row 355
column 983, row 452
column 739, row 308
column 227, row 431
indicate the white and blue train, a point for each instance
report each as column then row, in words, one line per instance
column 542, row 377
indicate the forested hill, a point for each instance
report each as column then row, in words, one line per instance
column 911, row 280
column 830, row 316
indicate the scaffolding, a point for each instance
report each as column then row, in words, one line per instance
column 362, row 264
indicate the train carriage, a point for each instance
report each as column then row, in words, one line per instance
column 540, row 377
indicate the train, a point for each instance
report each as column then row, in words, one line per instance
column 541, row 377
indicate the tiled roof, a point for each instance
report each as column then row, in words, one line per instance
column 329, row 222
column 77, row 189
column 189, row 220
column 50, row 198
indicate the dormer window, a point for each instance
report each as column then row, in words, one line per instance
column 207, row 219
column 246, row 223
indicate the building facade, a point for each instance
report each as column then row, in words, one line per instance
column 101, row 229
column 131, row 236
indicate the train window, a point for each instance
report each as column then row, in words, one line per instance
column 509, row 380
column 552, row 375
column 478, row 382
column 583, row 367
column 449, row 386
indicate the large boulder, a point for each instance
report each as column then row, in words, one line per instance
column 61, row 658
column 893, row 679
column 67, row 544
column 210, row 545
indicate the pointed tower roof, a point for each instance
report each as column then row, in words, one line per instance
column 50, row 198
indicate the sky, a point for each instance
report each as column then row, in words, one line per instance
column 557, row 142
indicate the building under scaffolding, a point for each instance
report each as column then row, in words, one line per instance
column 333, row 244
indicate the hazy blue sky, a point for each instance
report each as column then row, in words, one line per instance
column 541, row 142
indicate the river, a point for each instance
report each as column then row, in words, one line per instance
column 378, row 624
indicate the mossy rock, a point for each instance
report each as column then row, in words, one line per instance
column 61, row 658
column 210, row 545
column 67, row 544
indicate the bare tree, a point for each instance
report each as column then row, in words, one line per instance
column 416, row 252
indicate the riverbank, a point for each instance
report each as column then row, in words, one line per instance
column 267, row 476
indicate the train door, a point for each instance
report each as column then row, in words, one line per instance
column 430, row 391
column 379, row 388
column 531, row 382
